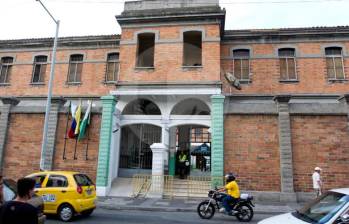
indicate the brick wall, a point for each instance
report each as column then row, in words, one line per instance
column 312, row 74
column 169, row 57
column 23, row 147
column 89, row 166
column 92, row 78
column 320, row 141
column 251, row 151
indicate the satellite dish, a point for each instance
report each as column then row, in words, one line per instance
column 232, row 80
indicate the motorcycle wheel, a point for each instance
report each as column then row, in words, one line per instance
column 245, row 213
column 205, row 210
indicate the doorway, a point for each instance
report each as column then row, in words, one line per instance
column 135, row 153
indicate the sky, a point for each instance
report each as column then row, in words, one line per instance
column 28, row 19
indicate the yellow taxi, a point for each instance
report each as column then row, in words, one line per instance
column 65, row 193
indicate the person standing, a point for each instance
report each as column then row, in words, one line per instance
column 19, row 211
column 182, row 164
column 317, row 183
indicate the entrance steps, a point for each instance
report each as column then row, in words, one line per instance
column 187, row 188
column 121, row 187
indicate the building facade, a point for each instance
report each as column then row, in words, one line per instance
column 169, row 79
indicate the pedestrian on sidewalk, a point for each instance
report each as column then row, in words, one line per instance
column 19, row 211
column 182, row 164
column 317, row 182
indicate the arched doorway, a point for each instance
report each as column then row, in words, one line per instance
column 136, row 139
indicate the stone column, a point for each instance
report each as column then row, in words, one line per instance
column 285, row 147
column 159, row 151
column 345, row 99
column 217, row 147
column 56, row 103
column 4, row 123
column 103, row 181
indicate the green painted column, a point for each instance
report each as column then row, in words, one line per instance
column 217, row 133
column 172, row 164
column 105, row 140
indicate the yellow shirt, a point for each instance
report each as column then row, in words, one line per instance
column 233, row 189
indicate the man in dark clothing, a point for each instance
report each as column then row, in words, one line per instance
column 19, row 211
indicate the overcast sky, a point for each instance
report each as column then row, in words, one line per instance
column 27, row 18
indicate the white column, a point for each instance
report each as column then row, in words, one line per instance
column 159, row 151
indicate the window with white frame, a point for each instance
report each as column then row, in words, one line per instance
column 334, row 63
column 112, row 67
column 287, row 58
column 241, row 59
column 39, row 69
column 5, row 69
column 75, row 68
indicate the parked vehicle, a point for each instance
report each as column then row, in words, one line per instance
column 330, row 208
column 10, row 191
column 65, row 193
column 243, row 207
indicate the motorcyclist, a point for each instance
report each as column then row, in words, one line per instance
column 233, row 193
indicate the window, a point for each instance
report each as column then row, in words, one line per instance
column 57, row 181
column 145, row 50
column 287, row 64
column 39, row 179
column 334, row 61
column 112, row 67
column 192, row 48
column 5, row 69
column 75, row 68
column 242, row 64
column 39, row 69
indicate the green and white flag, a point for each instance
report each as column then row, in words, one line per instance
column 85, row 122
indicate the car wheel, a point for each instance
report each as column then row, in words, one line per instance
column 66, row 212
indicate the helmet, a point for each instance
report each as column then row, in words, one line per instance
column 230, row 177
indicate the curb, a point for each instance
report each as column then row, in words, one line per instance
column 177, row 209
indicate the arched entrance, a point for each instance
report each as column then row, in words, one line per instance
column 136, row 139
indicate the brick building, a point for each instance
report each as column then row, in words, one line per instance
column 164, row 80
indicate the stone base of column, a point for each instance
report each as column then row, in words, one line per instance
column 154, row 195
column 102, row 191
column 288, row 197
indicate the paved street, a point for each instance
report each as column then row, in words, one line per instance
column 102, row 216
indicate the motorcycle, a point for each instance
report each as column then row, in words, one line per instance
column 242, row 208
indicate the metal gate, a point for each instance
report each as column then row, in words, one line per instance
column 135, row 152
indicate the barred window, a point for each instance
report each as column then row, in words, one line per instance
column 75, row 68
column 112, row 67
column 334, row 62
column 5, row 69
column 241, row 64
column 39, row 69
column 287, row 57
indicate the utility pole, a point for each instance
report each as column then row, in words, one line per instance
column 44, row 166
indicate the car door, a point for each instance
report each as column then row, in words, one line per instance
column 53, row 192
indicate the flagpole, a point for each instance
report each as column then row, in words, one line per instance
column 66, row 132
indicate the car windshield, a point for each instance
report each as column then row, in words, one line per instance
column 82, row 180
column 323, row 208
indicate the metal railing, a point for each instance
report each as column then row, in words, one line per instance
column 169, row 187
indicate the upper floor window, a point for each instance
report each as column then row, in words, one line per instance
column 192, row 48
column 145, row 50
column 75, row 68
column 287, row 57
column 334, row 62
column 5, row 69
column 242, row 64
column 112, row 67
column 39, row 69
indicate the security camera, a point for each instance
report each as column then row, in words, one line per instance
column 232, row 80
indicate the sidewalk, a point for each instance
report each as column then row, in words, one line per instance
column 182, row 205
